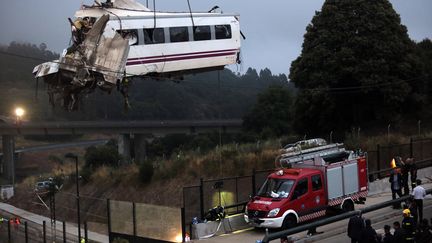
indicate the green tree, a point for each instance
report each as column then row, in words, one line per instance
column 101, row 155
column 424, row 49
column 146, row 171
column 272, row 112
column 355, row 67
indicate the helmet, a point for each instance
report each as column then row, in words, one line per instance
column 406, row 211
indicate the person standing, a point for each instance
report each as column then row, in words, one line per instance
column 413, row 172
column 369, row 235
column 355, row 227
column 408, row 225
column 396, row 185
column 418, row 194
column 398, row 234
column 405, row 169
column 388, row 237
column 424, row 232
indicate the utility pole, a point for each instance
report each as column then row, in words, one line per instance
column 75, row 157
column 52, row 191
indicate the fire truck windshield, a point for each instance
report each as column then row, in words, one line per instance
column 276, row 188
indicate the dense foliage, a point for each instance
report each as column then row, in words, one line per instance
column 211, row 95
column 271, row 116
column 357, row 67
column 107, row 155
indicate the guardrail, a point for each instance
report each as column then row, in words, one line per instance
column 269, row 237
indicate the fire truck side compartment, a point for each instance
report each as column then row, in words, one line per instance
column 334, row 183
column 350, row 179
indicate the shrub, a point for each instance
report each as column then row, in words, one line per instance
column 102, row 155
column 146, row 171
column 55, row 159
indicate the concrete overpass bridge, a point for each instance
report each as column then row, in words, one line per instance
column 139, row 131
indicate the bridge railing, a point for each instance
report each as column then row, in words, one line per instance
column 277, row 235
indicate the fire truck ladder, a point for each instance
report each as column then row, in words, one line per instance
column 285, row 160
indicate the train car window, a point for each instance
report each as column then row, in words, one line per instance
column 202, row 33
column 179, row 34
column 223, row 31
column 154, row 36
column 130, row 35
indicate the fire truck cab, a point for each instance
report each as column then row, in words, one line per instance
column 318, row 179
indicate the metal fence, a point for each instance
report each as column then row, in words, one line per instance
column 229, row 192
column 12, row 231
column 379, row 159
column 139, row 222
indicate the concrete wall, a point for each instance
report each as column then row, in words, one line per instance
column 124, row 147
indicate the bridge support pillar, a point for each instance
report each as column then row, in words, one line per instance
column 140, row 147
column 124, row 147
column 8, row 162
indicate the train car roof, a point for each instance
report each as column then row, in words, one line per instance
column 133, row 9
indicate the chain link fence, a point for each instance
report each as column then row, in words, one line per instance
column 379, row 159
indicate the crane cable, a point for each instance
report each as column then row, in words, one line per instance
column 220, row 126
column 154, row 15
column 190, row 11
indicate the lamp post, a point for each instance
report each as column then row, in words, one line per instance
column 19, row 113
column 419, row 127
column 388, row 133
column 73, row 156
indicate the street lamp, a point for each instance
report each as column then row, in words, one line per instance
column 75, row 157
column 19, row 113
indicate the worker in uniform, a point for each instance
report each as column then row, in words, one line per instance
column 408, row 225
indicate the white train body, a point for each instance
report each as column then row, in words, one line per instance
column 175, row 55
column 127, row 39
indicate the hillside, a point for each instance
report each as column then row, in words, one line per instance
column 202, row 96
column 123, row 183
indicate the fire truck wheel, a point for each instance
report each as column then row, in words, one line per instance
column 289, row 222
column 348, row 206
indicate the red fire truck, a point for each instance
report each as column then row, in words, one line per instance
column 309, row 183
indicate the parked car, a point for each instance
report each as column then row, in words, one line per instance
column 42, row 186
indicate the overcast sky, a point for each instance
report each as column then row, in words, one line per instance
column 274, row 29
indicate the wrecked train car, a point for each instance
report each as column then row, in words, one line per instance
column 119, row 39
